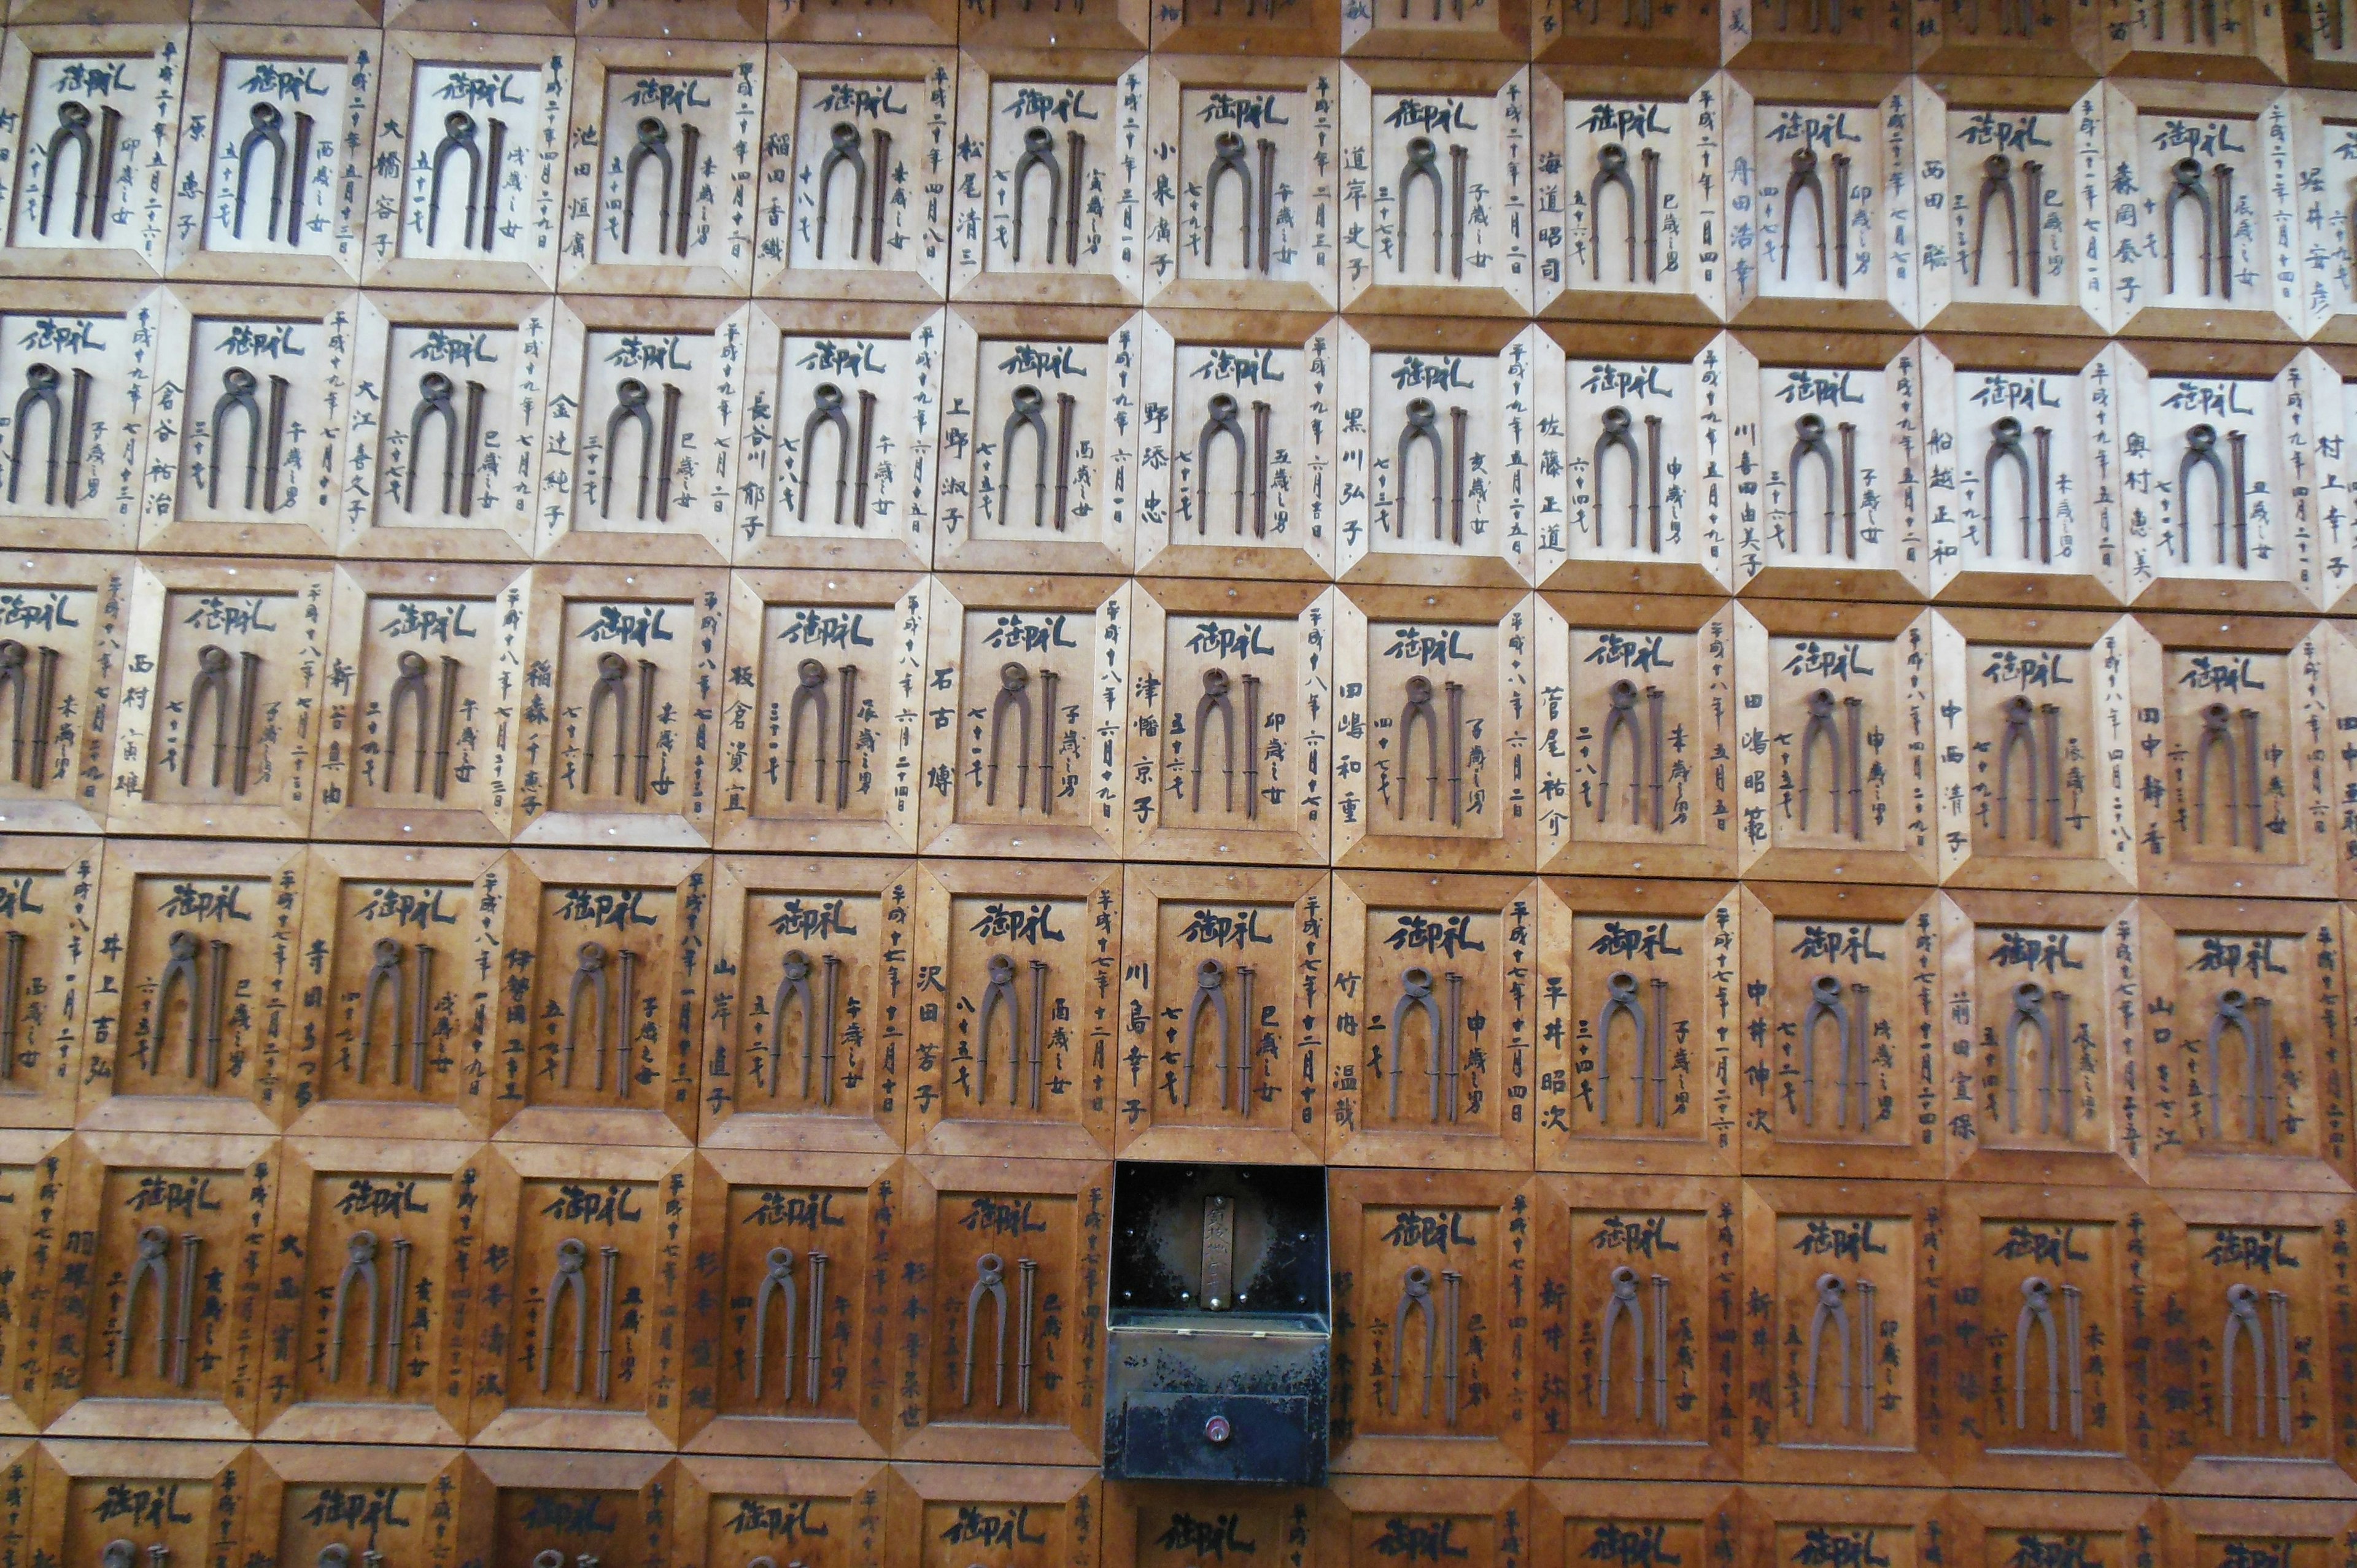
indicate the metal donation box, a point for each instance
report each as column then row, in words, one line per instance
column 1219, row 1323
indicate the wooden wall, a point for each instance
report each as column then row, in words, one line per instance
column 651, row 652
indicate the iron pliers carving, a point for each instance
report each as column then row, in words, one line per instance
column 265, row 131
column 810, row 694
column 613, row 688
column 360, row 1267
column 2243, row 1323
column 238, row 385
column 148, row 1266
column 2185, row 185
column 826, row 410
column 989, row 1279
column 1421, row 425
column 384, row 974
column 1808, row 441
column 2201, row 451
column 13, row 657
column 1024, row 414
column 42, row 392
column 1832, row 1307
column 568, row 1280
column 589, row 975
column 1621, row 999
column 1997, row 181
column 654, row 144
column 1228, row 157
column 1211, row 993
column 1014, row 682
column 1039, row 152
column 630, row 405
column 794, row 985
column 2048, row 1013
column 1621, row 1305
column 844, row 149
column 2005, row 445
column 999, row 990
column 1415, row 1299
column 777, row 1278
column 1415, row 995
column 2038, row 1311
column 1223, row 421
column 1612, row 172
column 1616, row 438
column 1418, row 707
column 73, row 130
column 1215, row 700
column 1803, row 176
column 434, row 401
column 2217, row 739
column 1821, row 726
column 457, row 138
column 1620, row 718
column 2251, row 1018
column 1423, row 163
column 1826, row 1001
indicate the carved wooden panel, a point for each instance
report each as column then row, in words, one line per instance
column 1792, row 1526
column 49, row 909
column 1021, row 675
column 2014, row 503
column 1432, row 1355
column 403, row 1503
column 135, row 68
column 2046, row 1073
column 401, row 961
column 598, row 1506
column 622, row 675
column 600, row 1010
column 159, row 1499
column 67, row 613
column 195, row 991
column 2023, row 707
column 1242, row 187
column 1472, row 804
column 1232, row 701
column 1641, row 504
column 1574, row 1522
column 221, row 698
column 2214, row 464
column 1628, row 193
column 1841, row 1071
column 1636, row 720
column 2229, row 719
column 1429, row 140
column 1833, row 436
column 1029, row 1393
column 2257, row 1293
column 156, row 1329
column 1841, row 1281
column 1836, row 783
column 1223, row 1009
column 1017, row 996
column 1372, row 1520
column 847, row 395
column 789, row 1323
column 1438, row 421
column 819, row 733
column 736, row 1512
column 582, row 1269
column 1638, row 1282
column 1822, row 165
column 1638, row 1025
column 2219, row 1532
column 363, row 1317
column 1992, row 1527
column 1048, row 177
column 1177, row 1525
column 653, row 224
column 467, row 184
column 453, row 391
column 808, row 1044
column 2018, row 167
column 885, row 233
column 1039, row 431
column 1236, row 451
column 2247, row 1041
column 76, row 355
column 1019, row 1517
column 1433, row 1062
column 644, row 398
column 423, row 665
column 298, row 104
column 2234, row 143
column 30, row 1163
column 2056, row 1291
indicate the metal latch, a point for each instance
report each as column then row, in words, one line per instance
column 1219, row 1251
